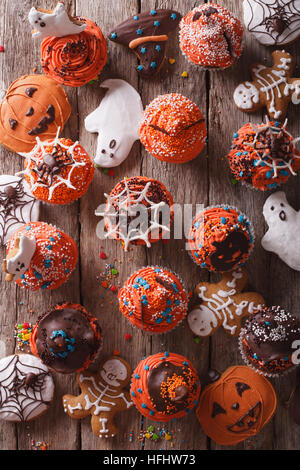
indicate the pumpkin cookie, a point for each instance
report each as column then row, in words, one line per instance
column 34, row 106
column 58, row 171
column 173, row 129
column 165, row 386
column 236, row 406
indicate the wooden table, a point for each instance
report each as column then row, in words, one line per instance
column 206, row 180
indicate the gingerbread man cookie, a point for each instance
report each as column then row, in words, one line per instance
column 223, row 303
column 271, row 87
column 102, row 396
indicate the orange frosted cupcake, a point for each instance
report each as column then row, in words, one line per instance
column 58, row 171
column 154, row 300
column 211, row 37
column 67, row 338
column 220, row 239
column 263, row 155
column 76, row 59
column 173, row 129
column 165, row 386
column 40, row 256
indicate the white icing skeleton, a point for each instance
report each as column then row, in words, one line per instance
column 102, row 396
column 223, row 304
column 116, row 120
column 283, row 236
column 55, row 23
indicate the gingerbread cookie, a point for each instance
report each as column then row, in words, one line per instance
column 271, row 87
column 146, row 34
column 102, row 396
column 223, row 304
column 273, row 22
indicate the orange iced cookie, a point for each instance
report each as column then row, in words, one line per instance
column 220, row 239
column 58, row 171
column 165, row 386
column 173, row 129
column 76, row 59
column 154, row 300
column 210, row 36
column 40, row 256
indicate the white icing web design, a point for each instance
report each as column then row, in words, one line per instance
column 18, row 210
column 286, row 12
column 19, row 402
column 276, row 164
column 128, row 203
column 57, row 179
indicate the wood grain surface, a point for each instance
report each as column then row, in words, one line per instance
column 206, row 180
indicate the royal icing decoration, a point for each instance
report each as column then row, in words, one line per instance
column 271, row 87
column 223, row 304
column 116, row 120
column 102, row 396
column 273, row 22
column 26, row 388
column 57, row 22
column 17, row 206
column 18, row 259
column 283, row 236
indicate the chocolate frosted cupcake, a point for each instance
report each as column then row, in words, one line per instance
column 67, row 338
column 126, row 202
column 165, row 386
column 267, row 338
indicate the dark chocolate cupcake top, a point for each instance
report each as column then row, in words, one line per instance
column 67, row 338
column 271, row 332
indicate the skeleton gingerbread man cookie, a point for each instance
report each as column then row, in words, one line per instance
column 271, row 87
column 223, row 303
column 102, row 396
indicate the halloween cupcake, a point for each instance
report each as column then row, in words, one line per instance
column 40, row 256
column 74, row 50
column 27, row 388
column 220, row 239
column 17, row 206
column 154, row 300
column 236, row 405
column 67, row 338
column 266, row 341
column 173, row 129
column 34, row 106
column 263, row 155
column 130, row 198
column 165, row 386
column 211, row 37
column 58, row 171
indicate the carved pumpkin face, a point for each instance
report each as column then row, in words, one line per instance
column 34, row 106
column 237, row 406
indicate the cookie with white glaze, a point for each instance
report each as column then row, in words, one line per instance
column 273, row 22
column 17, row 206
column 26, row 388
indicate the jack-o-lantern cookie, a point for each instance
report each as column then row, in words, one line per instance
column 271, row 87
column 236, row 406
column 223, row 304
column 102, row 396
column 34, row 106
column 220, row 239
column 40, row 256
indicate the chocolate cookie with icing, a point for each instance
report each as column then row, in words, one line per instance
column 146, row 34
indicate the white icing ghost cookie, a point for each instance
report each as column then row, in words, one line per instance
column 273, row 22
column 57, row 22
column 17, row 206
column 223, row 304
column 116, row 120
column 283, row 236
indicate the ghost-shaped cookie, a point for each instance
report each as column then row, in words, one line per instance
column 283, row 236
column 57, row 22
column 116, row 120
